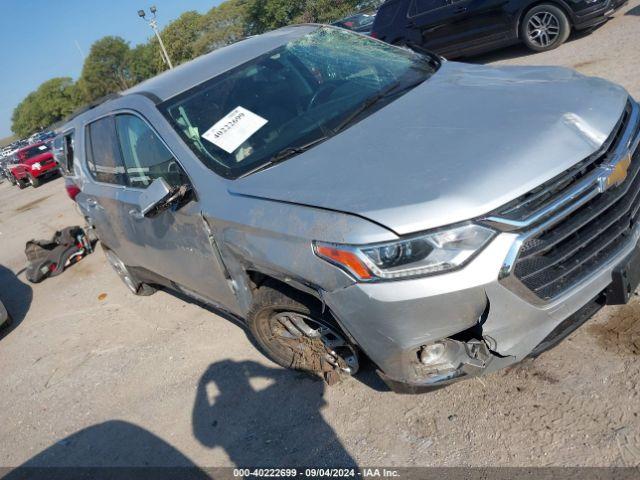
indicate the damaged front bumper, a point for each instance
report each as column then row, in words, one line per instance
column 485, row 325
column 46, row 170
column 460, row 358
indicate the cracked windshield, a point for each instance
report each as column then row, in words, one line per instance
column 292, row 96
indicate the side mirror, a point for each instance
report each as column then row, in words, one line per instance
column 154, row 196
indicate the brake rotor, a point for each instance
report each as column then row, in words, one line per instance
column 315, row 345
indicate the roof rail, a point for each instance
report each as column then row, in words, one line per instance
column 91, row 105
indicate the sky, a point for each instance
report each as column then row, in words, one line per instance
column 41, row 39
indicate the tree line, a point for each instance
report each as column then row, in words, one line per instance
column 113, row 65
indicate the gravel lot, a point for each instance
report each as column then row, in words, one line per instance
column 92, row 375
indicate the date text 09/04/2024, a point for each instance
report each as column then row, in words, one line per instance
column 315, row 472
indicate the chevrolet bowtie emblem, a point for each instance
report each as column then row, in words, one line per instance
column 615, row 174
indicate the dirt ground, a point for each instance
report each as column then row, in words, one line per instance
column 92, row 375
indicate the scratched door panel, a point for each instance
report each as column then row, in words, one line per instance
column 178, row 248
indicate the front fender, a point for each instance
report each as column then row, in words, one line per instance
column 276, row 239
column 19, row 172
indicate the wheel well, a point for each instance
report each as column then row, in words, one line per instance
column 555, row 3
column 258, row 279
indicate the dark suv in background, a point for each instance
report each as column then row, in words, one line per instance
column 359, row 22
column 455, row 28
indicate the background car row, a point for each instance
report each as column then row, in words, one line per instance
column 457, row 28
column 29, row 162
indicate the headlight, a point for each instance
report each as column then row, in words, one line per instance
column 36, row 166
column 425, row 254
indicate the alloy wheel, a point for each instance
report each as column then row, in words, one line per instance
column 314, row 344
column 543, row 28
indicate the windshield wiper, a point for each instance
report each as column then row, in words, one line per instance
column 288, row 152
column 393, row 89
column 285, row 154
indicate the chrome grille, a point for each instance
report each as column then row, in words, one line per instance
column 572, row 225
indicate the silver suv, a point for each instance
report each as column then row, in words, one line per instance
column 348, row 198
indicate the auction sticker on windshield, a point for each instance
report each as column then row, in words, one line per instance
column 234, row 129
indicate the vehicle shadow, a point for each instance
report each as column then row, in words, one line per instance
column 366, row 375
column 633, row 11
column 506, row 53
column 520, row 50
column 113, row 449
column 267, row 417
column 16, row 297
column 52, row 178
column 230, row 317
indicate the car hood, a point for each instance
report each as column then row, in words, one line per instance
column 468, row 140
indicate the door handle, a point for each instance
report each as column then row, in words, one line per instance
column 137, row 214
column 460, row 9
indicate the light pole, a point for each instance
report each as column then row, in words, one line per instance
column 154, row 26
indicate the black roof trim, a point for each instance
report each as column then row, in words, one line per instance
column 151, row 96
column 91, row 105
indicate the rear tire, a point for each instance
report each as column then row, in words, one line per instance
column 134, row 285
column 8, row 320
column 544, row 28
column 6, row 326
column 34, row 181
column 274, row 307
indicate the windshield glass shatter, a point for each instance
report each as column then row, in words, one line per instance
column 296, row 95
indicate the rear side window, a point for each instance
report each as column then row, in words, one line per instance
column 63, row 151
column 58, row 149
column 68, row 151
column 145, row 156
column 418, row 7
column 386, row 15
column 103, row 154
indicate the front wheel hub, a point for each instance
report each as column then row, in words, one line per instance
column 316, row 345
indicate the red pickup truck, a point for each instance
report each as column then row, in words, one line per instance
column 34, row 163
